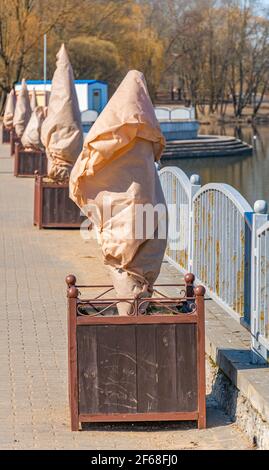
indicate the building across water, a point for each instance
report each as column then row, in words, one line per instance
column 92, row 94
column 181, row 129
column 177, row 123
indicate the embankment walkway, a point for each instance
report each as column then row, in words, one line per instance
column 33, row 340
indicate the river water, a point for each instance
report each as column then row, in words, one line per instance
column 249, row 175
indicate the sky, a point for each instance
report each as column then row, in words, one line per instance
column 264, row 3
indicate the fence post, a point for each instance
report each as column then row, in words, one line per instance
column 260, row 216
column 195, row 186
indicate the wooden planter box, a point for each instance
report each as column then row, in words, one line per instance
column 5, row 135
column 52, row 206
column 141, row 367
column 13, row 140
column 28, row 163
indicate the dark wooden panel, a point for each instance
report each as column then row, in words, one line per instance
column 147, row 391
column 5, row 135
column 58, row 207
column 156, row 368
column 137, row 368
column 57, row 203
column 114, row 387
column 167, row 367
column 186, row 360
column 29, row 162
column 117, row 369
column 87, row 369
column 13, row 140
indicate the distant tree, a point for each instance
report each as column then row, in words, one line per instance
column 217, row 50
column 94, row 58
column 124, row 24
column 221, row 51
column 22, row 24
column 248, row 59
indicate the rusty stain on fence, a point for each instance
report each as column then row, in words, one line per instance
column 238, row 299
column 211, row 197
column 217, row 266
column 183, row 257
column 203, row 216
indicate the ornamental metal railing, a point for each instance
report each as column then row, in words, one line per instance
column 217, row 235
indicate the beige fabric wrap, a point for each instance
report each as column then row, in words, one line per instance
column 31, row 137
column 61, row 132
column 117, row 161
column 9, row 110
column 22, row 111
column 33, row 100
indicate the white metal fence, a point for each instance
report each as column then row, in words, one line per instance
column 260, row 280
column 177, row 192
column 221, row 245
column 215, row 233
column 170, row 114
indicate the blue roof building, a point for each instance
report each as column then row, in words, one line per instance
column 92, row 94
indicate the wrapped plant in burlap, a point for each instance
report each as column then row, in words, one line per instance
column 33, row 101
column 31, row 139
column 114, row 176
column 9, row 110
column 22, row 111
column 61, row 132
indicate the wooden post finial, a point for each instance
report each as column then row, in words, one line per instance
column 70, row 280
column 72, row 292
column 189, row 278
column 199, row 291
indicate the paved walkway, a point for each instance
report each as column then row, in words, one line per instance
column 33, row 342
